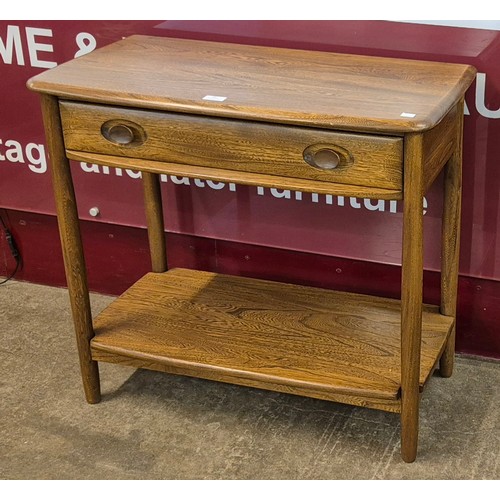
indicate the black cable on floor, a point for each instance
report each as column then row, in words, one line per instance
column 13, row 250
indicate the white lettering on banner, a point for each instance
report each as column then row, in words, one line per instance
column 34, row 47
column 13, row 44
column 93, row 168
column 179, row 180
column 374, row 205
column 86, row 43
column 96, row 169
column 281, row 193
column 284, row 193
column 315, row 198
column 14, row 152
column 216, row 185
column 390, row 206
column 481, row 98
column 38, row 163
column 34, row 155
column 134, row 174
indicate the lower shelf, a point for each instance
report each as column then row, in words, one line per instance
column 320, row 343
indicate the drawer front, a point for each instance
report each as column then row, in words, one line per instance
column 265, row 148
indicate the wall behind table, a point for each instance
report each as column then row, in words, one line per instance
column 321, row 240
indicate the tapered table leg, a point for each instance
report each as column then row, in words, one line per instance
column 411, row 294
column 154, row 217
column 69, row 231
column 450, row 246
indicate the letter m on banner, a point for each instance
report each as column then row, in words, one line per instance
column 10, row 43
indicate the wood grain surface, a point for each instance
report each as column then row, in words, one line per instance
column 154, row 217
column 248, row 115
column 238, row 329
column 232, row 377
column 366, row 160
column 411, row 294
column 238, row 177
column 71, row 242
column 335, row 91
column 450, row 249
column 438, row 145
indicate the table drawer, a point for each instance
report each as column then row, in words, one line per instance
column 285, row 151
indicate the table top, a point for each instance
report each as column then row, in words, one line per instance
column 309, row 88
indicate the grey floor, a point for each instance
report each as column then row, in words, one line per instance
column 158, row 426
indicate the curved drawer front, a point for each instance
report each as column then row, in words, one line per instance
column 285, row 151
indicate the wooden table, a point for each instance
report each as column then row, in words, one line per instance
column 317, row 122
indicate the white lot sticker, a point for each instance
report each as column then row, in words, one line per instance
column 217, row 98
column 408, row 115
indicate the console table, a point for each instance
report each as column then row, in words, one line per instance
column 339, row 124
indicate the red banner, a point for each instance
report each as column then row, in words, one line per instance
column 347, row 227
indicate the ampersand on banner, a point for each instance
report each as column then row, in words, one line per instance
column 86, row 43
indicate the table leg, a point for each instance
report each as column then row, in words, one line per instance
column 154, row 217
column 450, row 246
column 411, row 294
column 69, row 231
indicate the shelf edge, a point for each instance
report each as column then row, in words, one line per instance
column 267, row 383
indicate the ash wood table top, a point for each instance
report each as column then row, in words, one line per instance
column 320, row 89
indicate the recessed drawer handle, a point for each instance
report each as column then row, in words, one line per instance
column 123, row 133
column 324, row 158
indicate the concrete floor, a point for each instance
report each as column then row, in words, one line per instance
column 157, row 426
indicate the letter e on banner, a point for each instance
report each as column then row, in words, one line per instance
column 34, row 47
